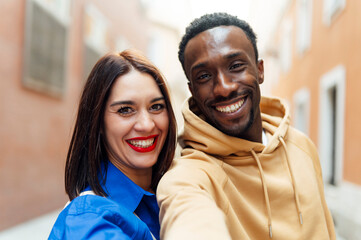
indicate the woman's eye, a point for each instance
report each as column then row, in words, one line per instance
column 125, row 110
column 157, row 107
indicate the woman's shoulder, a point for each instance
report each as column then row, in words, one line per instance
column 93, row 204
column 93, row 207
column 92, row 214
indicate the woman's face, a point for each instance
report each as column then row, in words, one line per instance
column 135, row 122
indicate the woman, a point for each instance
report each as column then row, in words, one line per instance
column 123, row 142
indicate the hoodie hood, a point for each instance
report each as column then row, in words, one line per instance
column 202, row 136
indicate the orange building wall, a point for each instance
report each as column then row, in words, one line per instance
column 35, row 129
column 331, row 45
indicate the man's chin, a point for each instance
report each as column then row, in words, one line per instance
column 234, row 129
column 231, row 132
column 226, row 129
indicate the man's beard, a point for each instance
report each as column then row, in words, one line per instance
column 236, row 132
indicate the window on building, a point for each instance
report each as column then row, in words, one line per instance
column 304, row 25
column 96, row 37
column 46, row 34
column 331, row 8
column 301, row 101
column 331, row 125
column 286, row 46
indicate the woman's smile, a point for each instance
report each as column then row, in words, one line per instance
column 143, row 144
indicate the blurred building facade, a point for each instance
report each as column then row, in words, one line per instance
column 48, row 48
column 313, row 61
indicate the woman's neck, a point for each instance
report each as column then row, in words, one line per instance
column 141, row 177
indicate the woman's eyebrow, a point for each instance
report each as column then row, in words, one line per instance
column 122, row 103
column 157, row 99
column 132, row 102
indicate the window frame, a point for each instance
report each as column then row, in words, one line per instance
column 62, row 18
column 302, row 97
column 331, row 9
column 304, row 25
column 336, row 77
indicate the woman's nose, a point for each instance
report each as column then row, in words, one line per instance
column 145, row 122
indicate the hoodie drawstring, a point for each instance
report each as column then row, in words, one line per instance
column 293, row 181
column 265, row 191
column 266, row 198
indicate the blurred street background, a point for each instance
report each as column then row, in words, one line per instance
column 311, row 50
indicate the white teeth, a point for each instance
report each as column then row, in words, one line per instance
column 142, row 143
column 230, row 108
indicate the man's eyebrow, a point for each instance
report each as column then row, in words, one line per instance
column 199, row 65
column 228, row 56
column 233, row 55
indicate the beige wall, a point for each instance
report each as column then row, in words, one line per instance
column 35, row 129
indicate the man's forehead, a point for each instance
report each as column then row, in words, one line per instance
column 220, row 39
column 218, row 34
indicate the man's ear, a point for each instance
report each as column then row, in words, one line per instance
column 260, row 71
column 190, row 87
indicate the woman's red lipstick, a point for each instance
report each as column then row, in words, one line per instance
column 142, row 149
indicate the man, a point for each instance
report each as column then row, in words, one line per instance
column 245, row 173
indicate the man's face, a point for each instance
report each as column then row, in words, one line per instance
column 224, row 79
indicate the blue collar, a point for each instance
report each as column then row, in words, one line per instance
column 123, row 190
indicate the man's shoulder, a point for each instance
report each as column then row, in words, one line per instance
column 303, row 143
column 195, row 161
column 193, row 171
column 300, row 138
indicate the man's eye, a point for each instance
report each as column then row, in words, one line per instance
column 125, row 110
column 236, row 66
column 203, row 77
column 157, row 107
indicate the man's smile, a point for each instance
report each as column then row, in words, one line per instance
column 230, row 108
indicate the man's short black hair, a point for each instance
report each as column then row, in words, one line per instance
column 213, row 20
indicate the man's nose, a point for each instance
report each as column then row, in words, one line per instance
column 224, row 85
column 145, row 122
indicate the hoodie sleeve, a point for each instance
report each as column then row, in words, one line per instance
column 187, row 208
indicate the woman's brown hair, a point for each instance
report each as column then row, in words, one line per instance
column 87, row 150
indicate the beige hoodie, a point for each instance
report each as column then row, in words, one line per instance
column 229, row 188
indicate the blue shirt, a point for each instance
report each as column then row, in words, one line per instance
column 112, row 217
